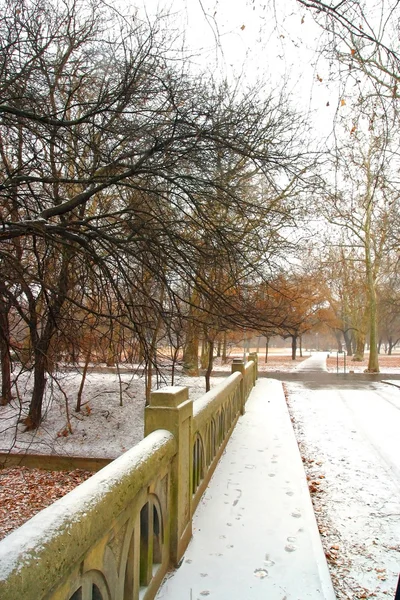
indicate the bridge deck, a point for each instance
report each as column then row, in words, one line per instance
column 255, row 534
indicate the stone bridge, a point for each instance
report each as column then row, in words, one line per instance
column 117, row 536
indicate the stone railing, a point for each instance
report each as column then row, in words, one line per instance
column 115, row 536
column 108, row 538
column 214, row 416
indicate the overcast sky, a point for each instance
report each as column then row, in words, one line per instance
column 259, row 41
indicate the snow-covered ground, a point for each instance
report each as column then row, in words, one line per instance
column 350, row 442
column 103, row 428
column 349, row 439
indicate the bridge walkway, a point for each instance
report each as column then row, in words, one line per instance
column 255, row 535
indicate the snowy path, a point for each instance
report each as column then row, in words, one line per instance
column 316, row 362
column 254, row 532
column 350, row 439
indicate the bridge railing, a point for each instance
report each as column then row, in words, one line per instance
column 115, row 536
column 108, row 538
column 214, row 416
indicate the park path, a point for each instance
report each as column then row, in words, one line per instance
column 315, row 363
column 255, row 534
column 348, row 428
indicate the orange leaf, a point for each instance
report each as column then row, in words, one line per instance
column 343, row 102
column 353, row 52
column 243, row 27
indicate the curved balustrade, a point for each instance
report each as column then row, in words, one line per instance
column 106, row 540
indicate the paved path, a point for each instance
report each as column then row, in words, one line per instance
column 351, row 433
column 316, row 363
column 255, row 534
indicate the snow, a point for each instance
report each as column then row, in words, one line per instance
column 103, row 428
column 349, row 440
column 350, row 443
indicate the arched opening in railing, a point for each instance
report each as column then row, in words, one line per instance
column 96, row 594
column 198, row 462
column 212, row 441
column 229, row 418
column 221, row 426
column 151, row 540
column 145, row 561
column 157, row 535
column 93, row 587
column 130, row 570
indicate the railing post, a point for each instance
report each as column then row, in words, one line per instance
column 254, row 357
column 171, row 409
column 238, row 365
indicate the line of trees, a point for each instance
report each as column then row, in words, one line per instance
column 136, row 196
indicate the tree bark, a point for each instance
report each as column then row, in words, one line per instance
column 191, row 352
column 224, row 344
column 204, row 350
column 266, row 349
column 34, row 417
column 210, row 364
column 360, row 347
column 5, row 357
column 294, row 346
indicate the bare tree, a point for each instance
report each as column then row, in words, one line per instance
column 108, row 154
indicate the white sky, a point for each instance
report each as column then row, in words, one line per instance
column 258, row 41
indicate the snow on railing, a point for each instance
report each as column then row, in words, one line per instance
column 88, row 541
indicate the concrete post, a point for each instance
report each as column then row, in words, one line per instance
column 254, row 357
column 238, row 365
column 171, row 409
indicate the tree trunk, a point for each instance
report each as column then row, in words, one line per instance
column 174, row 361
column 266, row 349
column 41, row 343
column 339, row 341
column 371, row 267
column 373, row 362
column 204, row 350
column 360, row 347
column 34, row 417
column 148, row 375
column 224, row 344
column 294, row 346
column 210, row 364
column 5, row 357
column 84, row 373
column 191, row 352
